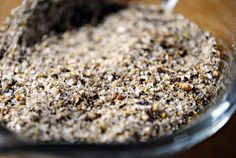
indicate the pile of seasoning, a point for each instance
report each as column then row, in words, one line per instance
column 135, row 74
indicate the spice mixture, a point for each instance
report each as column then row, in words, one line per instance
column 136, row 74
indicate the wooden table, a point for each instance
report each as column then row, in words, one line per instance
column 219, row 17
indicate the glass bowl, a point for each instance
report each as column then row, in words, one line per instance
column 212, row 16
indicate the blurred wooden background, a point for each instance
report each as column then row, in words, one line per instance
column 217, row 16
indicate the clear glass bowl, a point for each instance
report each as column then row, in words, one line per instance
column 215, row 118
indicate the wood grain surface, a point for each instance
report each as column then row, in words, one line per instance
column 217, row 16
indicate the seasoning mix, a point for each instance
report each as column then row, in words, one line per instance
column 129, row 75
